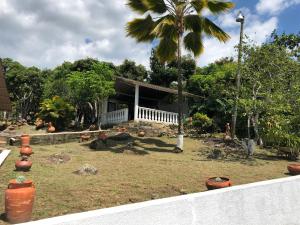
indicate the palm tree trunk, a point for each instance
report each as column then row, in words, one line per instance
column 179, row 146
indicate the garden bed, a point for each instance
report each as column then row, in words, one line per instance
column 125, row 174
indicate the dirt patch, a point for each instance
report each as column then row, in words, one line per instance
column 59, row 158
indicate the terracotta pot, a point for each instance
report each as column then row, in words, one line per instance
column 50, row 128
column 141, row 134
column 212, row 183
column 102, row 136
column 23, row 165
column 294, row 169
column 26, row 150
column 19, row 199
column 25, row 140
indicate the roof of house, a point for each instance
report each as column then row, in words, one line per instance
column 5, row 104
column 155, row 87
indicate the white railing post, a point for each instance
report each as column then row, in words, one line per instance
column 153, row 115
column 136, row 102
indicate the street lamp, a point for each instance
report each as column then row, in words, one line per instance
column 240, row 19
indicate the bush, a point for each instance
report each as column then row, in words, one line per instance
column 57, row 111
column 202, row 122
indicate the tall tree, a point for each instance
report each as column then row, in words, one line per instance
column 129, row 69
column 176, row 23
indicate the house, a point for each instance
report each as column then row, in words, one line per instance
column 5, row 104
column 140, row 101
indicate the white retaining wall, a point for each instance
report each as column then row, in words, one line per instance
column 273, row 202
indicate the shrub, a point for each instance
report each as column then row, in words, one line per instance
column 202, row 122
column 57, row 111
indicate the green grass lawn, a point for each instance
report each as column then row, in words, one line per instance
column 152, row 172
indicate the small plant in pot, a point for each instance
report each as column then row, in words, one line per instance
column 19, row 198
column 218, row 182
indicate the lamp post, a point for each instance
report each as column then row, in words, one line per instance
column 240, row 19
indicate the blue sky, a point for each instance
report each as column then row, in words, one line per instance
column 289, row 18
column 45, row 33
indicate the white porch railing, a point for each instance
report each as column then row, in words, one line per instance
column 153, row 115
column 115, row 117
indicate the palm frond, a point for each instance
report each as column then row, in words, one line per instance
column 213, row 30
column 157, row 6
column 138, row 6
column 165, row 27
column 219, row 6
column 193, row 23
column 141, row 29
column 166, row 50
column 193, row 42
column 198, row 5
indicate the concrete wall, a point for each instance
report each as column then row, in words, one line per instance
column 274, row 202
column 55, row 138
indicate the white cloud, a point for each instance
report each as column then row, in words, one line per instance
column 46, row 33
column 274, row 7
column 256, row 29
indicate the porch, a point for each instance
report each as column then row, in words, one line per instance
column 139, row 101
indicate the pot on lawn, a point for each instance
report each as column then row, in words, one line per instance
column 24, row 164
column 25, row 140
column 26, row 150
column 218, row 182
column 294, row 169
column 141, row 133
column 19, row 197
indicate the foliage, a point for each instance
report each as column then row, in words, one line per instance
column 129, row 69
column 25, row 85
column 270, row 93
column 164, row 74
column 289, row 41
column 57, row 111
column 215, row 84
column 202, row 122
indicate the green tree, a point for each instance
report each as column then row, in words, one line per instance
column 89, row 88
column 164, row 74
column 25, row 85
column 130, row 70
column 216, row 84
column 289, row 41
column 174, row 22
column 270, row 91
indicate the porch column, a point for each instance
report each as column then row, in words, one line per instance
column 136, row 102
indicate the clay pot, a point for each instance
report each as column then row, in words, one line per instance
column 26, row 150
column 25, row 140
column 294, row 169
column 19, row 199
column 102, row 136
column 23, row 165
column 215, row 183
column 50, row 128
column 141, row 134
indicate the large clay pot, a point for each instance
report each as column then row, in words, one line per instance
column 26, row 150
column 218, row 182
column 23, row 165
column 19, row 199
column 141, row 134
column 51, row 128
column 102, row 136
column 294, row 169
column 25, row 140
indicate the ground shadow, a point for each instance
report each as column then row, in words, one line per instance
column 138, row 146
column 3, row 217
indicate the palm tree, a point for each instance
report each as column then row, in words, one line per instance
column 175, row 23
